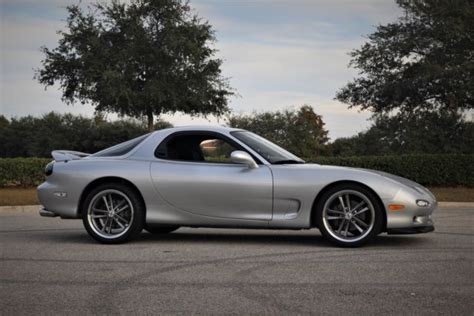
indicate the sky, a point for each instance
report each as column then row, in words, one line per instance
column 278, row 54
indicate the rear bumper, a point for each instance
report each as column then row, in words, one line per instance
column 45, row 213
column 58, row 200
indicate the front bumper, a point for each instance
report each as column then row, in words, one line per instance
column 413, row 218
column 411, row 230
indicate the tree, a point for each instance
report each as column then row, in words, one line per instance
column 36, row 137
column 300, row 131
column 4, row 122
column 426, row 133
column 423, row 61
column 141, row 59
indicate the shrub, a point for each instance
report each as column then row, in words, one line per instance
column 22, row 171
column 430, row 170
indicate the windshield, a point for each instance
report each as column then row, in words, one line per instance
column 268, row 150
column 120, row 149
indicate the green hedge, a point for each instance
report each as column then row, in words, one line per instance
column 22, row 171
column 431, row 170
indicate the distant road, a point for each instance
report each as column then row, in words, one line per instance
column 52, row 266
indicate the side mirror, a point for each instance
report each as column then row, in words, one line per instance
column 242, row 157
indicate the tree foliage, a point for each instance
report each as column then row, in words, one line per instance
column 140, row 59
column 36, row 137
column 300, row 131
column 423, row 61
column 426, row 133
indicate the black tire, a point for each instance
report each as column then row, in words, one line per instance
column 327, row 222
column 135, row 213
column 160, row 229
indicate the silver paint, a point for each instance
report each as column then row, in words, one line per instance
column 225, row 195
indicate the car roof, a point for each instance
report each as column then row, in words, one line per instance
column 209, row 128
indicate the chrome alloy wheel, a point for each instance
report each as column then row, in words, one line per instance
column 349, row 216
column 110, row 214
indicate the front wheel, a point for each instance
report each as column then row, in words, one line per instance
column 114, row 213
column 349, row 215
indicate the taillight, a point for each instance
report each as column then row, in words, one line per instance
column 48, row 170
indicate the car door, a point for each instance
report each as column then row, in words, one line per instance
column 194, row 173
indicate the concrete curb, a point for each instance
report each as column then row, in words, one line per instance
column 36, row 208
column 20, row 208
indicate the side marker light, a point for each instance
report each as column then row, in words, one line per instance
column 396, row 207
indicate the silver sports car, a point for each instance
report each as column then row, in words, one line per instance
column 225, row 177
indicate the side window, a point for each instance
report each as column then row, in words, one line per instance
column 216, row 150
column 196, row 147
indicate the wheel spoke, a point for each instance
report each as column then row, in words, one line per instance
column 358, row 205
column 361, row 222
column 330, row 218
column 102, row 222
column 106, row 203
column 98, row 216
column 104, row 227
column 340, row 226
column 122, row 209
column 365, row 209
column 111, row 202
column 120, row 224
column 120, row 205
column 121, row 218
column 110, row 225
column 335, row 212
column 96, row 210
column 357, row 226
column 347, row 228
column 348, row 202
column 342, row 203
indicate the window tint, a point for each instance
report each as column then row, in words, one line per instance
column 120, row 149
column 196, row 147
column 216, row 150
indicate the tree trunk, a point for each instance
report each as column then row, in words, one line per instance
column 151, row 127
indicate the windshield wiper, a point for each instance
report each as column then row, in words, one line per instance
column 287, row 161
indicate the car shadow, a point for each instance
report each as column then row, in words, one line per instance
column 227, row 237
column 234, row 238
column 270, row 238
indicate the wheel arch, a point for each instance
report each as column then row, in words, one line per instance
column 99, row 181
column 336, row 183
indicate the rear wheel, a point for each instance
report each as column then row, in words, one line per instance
column 349, row 215
column 114, row 213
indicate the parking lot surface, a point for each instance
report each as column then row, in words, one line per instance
column 52, row 266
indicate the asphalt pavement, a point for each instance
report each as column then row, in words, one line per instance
column 51, row 266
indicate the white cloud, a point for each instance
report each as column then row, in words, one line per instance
column 294, row 64
column 319, row 11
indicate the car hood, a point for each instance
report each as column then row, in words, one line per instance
column 398, row 179
column 390, row 176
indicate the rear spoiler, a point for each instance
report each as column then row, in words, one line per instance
column 65, row 155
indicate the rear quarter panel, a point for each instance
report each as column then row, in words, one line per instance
column 72, row 178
